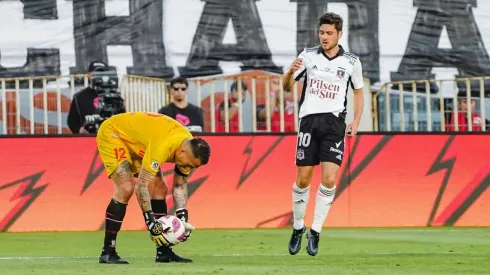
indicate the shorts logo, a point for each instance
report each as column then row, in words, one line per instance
column 300, row 154
column 155, row 165
column 338, row 144
column 339, row 157
column 340, row 73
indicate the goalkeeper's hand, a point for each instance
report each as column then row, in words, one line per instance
column 188, row 230
column 156, row 229
column 183, row 215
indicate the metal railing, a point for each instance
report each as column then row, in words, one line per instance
column 417, row 105
column 40, row 105
column 208, row 93
column 143, row 93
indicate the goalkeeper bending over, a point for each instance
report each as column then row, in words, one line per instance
column 134, row 145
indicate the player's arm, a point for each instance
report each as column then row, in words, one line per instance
column 295, row 72
column 180, row 194
column 142, row 191
column 357, row 87
column 154, row 156
column 74, row 121
column 144, row 199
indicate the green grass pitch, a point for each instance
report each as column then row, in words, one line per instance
column 258, row 251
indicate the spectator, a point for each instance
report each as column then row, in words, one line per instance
column 85, row 101
column 462, row 117
column 274, row 109
column 180, row 109
column 232, row 109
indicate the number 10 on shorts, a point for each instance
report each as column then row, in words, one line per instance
column 304, row 139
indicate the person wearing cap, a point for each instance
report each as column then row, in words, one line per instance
column 85, row 101
column 232, row 109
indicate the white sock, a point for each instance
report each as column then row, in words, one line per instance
column 324, row 199
column 300, row 200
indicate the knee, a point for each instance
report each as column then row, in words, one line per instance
column 159, row 189
column 303, row 180
column 328, row 180
column 124, row 193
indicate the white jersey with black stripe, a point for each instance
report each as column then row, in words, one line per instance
column 326, row 81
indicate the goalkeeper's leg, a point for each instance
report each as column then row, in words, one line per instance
column 158, row 190
column 115, row 212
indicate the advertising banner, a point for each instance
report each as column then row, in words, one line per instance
column 385, row 181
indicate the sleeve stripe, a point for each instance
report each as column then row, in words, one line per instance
column 300, row 75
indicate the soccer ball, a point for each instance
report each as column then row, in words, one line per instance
column 176, row 233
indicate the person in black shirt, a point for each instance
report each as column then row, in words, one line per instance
column 84, row 102
column 180, row 109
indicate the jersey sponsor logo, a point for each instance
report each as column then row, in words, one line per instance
column 300, row 154
column 323, row 89
column 326, row 69
column 155, row 165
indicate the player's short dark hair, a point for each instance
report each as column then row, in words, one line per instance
column 201, row 149
column 180, row 80
column 331, row 18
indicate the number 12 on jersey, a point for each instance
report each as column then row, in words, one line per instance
column 304, row 139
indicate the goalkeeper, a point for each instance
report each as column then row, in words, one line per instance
column 134, row 145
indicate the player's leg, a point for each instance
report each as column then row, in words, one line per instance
column 116, row 210
column 301, row 194
column 158, row 191
column 324, row 199
column 117, row 163
column 331, row 155
column 306, row 159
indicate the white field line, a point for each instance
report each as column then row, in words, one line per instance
column 232, row 255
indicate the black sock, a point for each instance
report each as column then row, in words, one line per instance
column 159, row 208
column 114, row 216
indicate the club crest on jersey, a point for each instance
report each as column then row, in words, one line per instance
column 300, row 154
column 340, row 73
column 155, row 165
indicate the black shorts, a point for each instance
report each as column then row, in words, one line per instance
column 320, row 139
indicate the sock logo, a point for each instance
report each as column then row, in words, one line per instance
column 300, row 201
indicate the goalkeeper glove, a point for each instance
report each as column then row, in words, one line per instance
column 183, row 215
column 156, row 229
